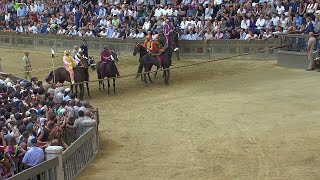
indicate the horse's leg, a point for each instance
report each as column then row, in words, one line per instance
column 103, row 84
column 145, row 78
column 108, row 87
column 87, row 84
column 81, row 91
column 165, row 76
column 177, row 55
column 114, row 86
column 149, row 77
column 168, row 75
column 76, row 89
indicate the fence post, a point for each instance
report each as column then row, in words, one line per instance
column 56, row 151
column 87, row 124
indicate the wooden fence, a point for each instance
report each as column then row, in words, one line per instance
column 189, row 49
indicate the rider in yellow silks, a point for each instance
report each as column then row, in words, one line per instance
column 69, row 64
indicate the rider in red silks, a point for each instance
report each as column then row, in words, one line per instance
column 105, row 56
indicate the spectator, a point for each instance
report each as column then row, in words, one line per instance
column 34, row 155
column 26, row 64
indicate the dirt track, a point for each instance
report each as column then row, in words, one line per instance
column 223, row 120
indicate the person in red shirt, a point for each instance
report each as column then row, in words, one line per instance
column 156, row 49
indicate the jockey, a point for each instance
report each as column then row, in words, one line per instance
column 147, row 43
column 167, row 29
column 105, row 57
column 156, row 49
column 69, row 63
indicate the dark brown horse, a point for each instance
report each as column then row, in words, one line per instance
column 111, row 72
column 81, row 74
column 61, row 75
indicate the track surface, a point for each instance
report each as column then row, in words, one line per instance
column 222, row 120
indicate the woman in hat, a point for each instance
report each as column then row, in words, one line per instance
column 69, row 63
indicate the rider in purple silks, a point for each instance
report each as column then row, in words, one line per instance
column 105, row 56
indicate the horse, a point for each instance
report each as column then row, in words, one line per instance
column 150, row 59
column 138, row 48
column 61, row 75
column 110, row 72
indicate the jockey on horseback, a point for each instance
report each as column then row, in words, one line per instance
column 69, row 63
column 147, row 43
column 167, row 31
column 79, row 56
column 156, row 49
column 105, row 57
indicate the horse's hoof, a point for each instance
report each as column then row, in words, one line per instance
column 90, row 97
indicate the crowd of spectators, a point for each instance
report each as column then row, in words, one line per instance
column 198, row 19
column 33, row 116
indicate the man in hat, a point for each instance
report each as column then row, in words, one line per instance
column 105, row 56
column 34, row 155
column 69, row 63
column 147, row 43
column 26, row 65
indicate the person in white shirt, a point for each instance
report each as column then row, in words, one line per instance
column 241, row 10
column 103, row 22
column 88, row 33
column 61, row 31
column 243, row 34
column 275, row 20
column 283, row 21
column 245, row 23
column 146, row 25
column 158, row 12
column 280, row 9
column 103, row 33
column 115, row 34
column 140, row 35
column 34, row 29
column 115, row 11
column 132, row 34
column 197, row 24
column 208, row 13
column 250, row 36
column 170, row 10
column 183, row 24
column 190, row 23
column 218, row 2
column 260, row 22
column 33, row 7
column 208, row 35
column 7, row 16
column 19, row 29
column 72, row 32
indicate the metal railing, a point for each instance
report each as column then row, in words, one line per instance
column 44, row 171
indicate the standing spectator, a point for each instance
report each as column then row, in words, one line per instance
column 22, row 11
column 34, row 155
column 311, row 48
column 26, row 65
column 77, row 124
column 309, row 27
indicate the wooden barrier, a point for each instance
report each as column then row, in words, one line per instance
column 188, row 49
column 44, row 171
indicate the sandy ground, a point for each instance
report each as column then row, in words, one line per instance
column 222, row 120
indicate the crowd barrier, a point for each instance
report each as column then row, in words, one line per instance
column 188, row 49
column 66, row 165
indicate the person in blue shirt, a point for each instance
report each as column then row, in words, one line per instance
column 298, row 19
column 78, row 18
column 294, row 6
column 310, row 27
column 21, row 11
column 43, row 29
